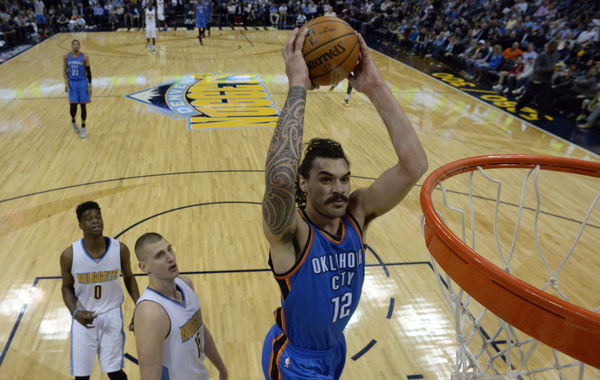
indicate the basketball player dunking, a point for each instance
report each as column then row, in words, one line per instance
column 92, row 292
column 171, row 337
column 78, row 84
column 316, row 251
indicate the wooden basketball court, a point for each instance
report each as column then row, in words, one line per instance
column 202, row 188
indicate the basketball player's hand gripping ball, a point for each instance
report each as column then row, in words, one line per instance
column 331, row 50
column 295, row 67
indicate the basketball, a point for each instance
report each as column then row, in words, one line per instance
column 330, row 50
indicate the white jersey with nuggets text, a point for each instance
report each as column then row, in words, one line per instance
column 160, row 9
column 150, row 18
column 183, row 348
column 97, row 283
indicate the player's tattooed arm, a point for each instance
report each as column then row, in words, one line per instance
column 283, row 158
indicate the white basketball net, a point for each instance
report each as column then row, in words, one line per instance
column 488, row 347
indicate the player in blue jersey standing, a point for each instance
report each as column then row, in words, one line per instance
column 78, row 84
column 201, row 16
column 316, row 250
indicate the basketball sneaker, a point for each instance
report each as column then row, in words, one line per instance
column 82, row 133
column 75, row 127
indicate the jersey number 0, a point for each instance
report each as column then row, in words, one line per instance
column 97, row 292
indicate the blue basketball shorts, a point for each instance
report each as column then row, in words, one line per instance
column 78, row 91
column 282, row 361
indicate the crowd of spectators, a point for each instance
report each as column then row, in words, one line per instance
column 502, row 42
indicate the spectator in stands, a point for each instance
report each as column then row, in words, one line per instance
column 589, row 35
column 231, row 11
column 375, row 20
column 513, row 52
column 312, row 10
column 98, row 12
column 329, row 12
column 420, row 43
column 491, row 64
column 80, row 23
column 568, row 95
column 131, row 15
column 516, row 69
column 62, row 22
column 40, row 16
column 469, row 54
column 300, row 19
column 531, row 53
column 437, row 45
column 566, row 45
column 540, row 84
column 8, row 32
column 515, row 85
column 592, row 120
column 521, row 7
column 451, row 53
column 283, row 10
column 274, row 14
column 482, row 54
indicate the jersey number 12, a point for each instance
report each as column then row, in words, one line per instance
column 341, row 306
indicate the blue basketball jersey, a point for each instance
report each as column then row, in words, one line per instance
column 321, row 292
column 208, row 11
column 76, row 67
column 200, row 10
column 201, row 15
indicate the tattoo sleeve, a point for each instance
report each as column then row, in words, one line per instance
column 283, row 159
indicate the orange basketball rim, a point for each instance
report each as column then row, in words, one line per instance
column 566, row 327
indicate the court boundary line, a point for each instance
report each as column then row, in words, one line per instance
column 29, row 49
column 37, row 279
column 569, row 219
column 490, row 105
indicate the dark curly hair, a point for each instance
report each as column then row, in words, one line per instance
column 89, row 205
column 315, row 148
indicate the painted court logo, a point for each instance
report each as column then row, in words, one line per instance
column 211, row 101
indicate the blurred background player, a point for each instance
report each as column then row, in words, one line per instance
column 160, row 14
column 150, row 25
column 171, row 337
column 348, row 92
column 201, row 17
column 92, row 292
column 78, row 84
column 209, row 12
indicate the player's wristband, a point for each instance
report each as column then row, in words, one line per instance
column 88, row 72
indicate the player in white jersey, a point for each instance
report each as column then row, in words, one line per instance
column 171, row 337
column 93, row 294
column 150, row 26
column 160, row 13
